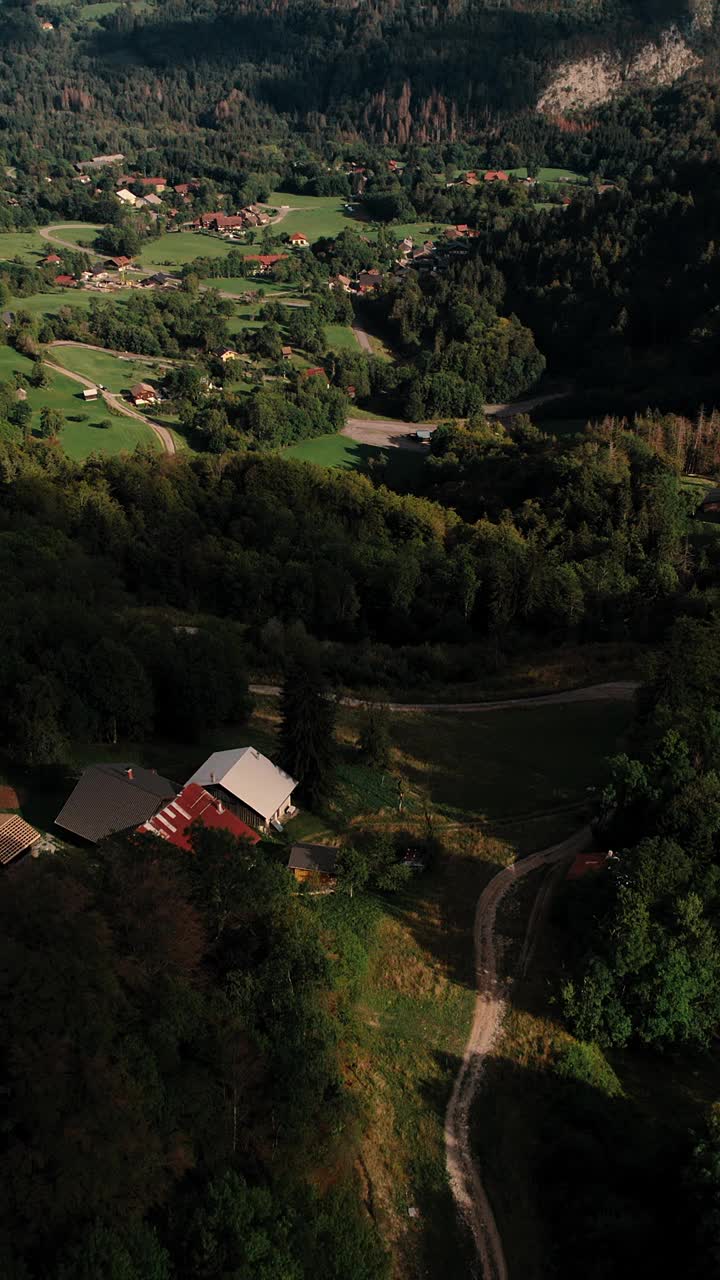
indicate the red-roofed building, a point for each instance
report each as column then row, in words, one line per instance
column 66, row 282
column 316, row 373
column 266, row 260
column 52, row 260
column 462, row 228
column 586, row 864
column 193, row 809
column 298, row 240
column 120, row 262
column 496, row 175
column 158, row 184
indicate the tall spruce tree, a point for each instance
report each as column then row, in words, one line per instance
column 307, row 731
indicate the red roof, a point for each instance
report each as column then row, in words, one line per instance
column 51, row 258
column 121, row 262
column 496, row 175
column 314, row 373
column 65, row 280
column 152, row 182
column 194, row 808
column 266, row 259
column 586, row 863
column 297, row 235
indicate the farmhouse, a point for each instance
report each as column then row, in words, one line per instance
column 66, row 282
column 368, row 280
column 249, row 784
column 126, row 197
column 226, row 353
column 192, row 809
column 316, row 862
column 16, row 837
column 52, row 260
column 265, row 260
column 340, row 282
column 316, row 373
column 152, row 200
column 142, row 393
column 109, row 798
column 157, row 184
column 298, row 240
column 496, row 175
column 120, row 263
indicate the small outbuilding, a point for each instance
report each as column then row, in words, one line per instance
column 16, row 837
column 314, row 862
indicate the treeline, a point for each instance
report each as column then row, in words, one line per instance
column 175, row 1079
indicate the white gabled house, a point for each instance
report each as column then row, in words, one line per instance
column 249, row 784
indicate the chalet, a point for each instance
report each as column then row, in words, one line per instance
column 16, row 837
column 153, row 200
column 316, row 373
column 496, row 175
column 368, row 280
column 119, row 263
column 52, row 260
column 470, row 180
column 265, row 260
column 314, row 862
column 286, row 353
column 340, row 282
column 110, row 798
column 248, row 784
column 192, row 810
column 298, row 240
column 462, row 228
column 157, row 184
column 226, row 353
column 233, row 222
column 90, row 393
column 185, row 188
column 126, row 197
column 142, row 393
column 66, row 282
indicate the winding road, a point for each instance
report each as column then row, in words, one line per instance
column 166, row 438
column 610, row 691
column 466, row 1183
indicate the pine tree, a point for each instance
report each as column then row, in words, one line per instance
column 307, row 732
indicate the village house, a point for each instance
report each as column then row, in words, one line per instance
column 119, row 263
column 368, row 280
column 340, row 282
column 496, row 175
column 66, row 282
column 110, row 798
column 265, row 260
column 226, row 353
column 126, row 197
column 152, row 200
column 316, row 863
column 298, row 240
column 143, row 394
column 286, row 352
column 90, row 393
column 249, row 784
column 157, row 184
column 16, row 838
column 192, row 810
column 316, row 372
column 52, row 260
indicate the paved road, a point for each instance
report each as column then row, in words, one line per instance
column 611, row 691
column 471, row 1198
column 165, row 437
column 362, row 336
column 395, row 433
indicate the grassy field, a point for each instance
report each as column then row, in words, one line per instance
column 550, row 175
column 102, row 367
column 27, row 245
column 340, row 337
column 81, row 234
column 176, row 248
column 315, row 216
column 51, row 303
column 78, row 439
column 400, row 470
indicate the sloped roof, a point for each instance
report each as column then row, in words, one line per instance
column 16, row 836
column 113, row 797
column 249, row 776
column 314, row 857
column 193, row 808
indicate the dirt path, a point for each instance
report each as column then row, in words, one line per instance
column 470, row 1196
column 166, row 438
column 109, row 351
column 612, row 691
column 396, row 433
column 362, row 336
column 48, row 233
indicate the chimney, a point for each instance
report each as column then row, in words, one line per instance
column 129, row 771
column 212, row 775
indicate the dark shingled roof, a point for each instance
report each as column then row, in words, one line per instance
column 107, row 800
column 314, row 857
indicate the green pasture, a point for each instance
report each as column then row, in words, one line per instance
column 102, row 367
column 340, row 337
column 177, row 248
